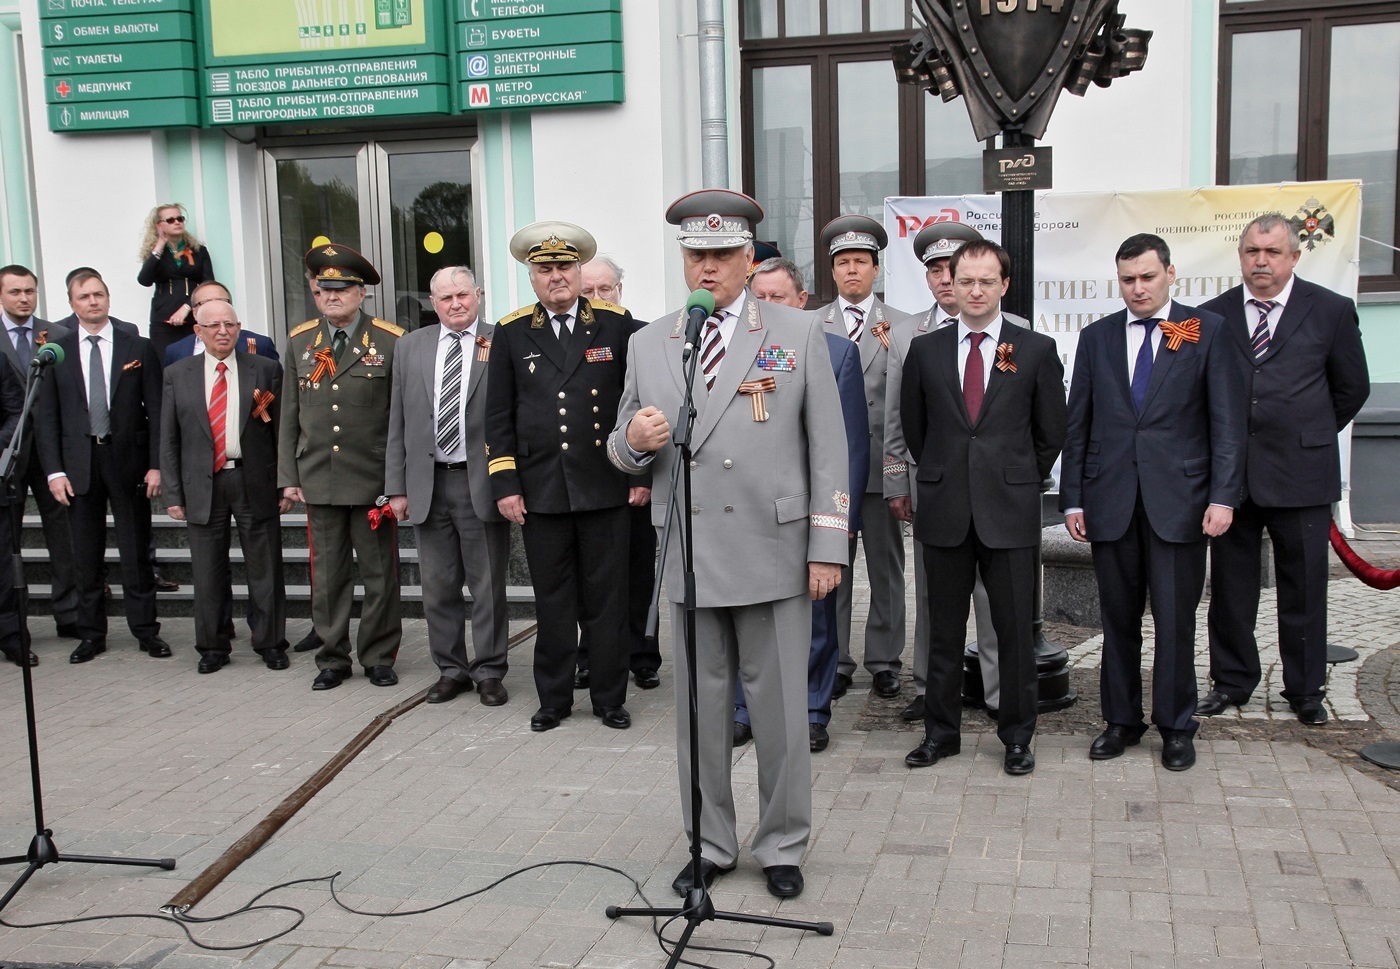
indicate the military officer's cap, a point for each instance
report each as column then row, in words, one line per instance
column 853, row 232
column 942, row 239
column 715, row 218
column 334, row 266
column 552, row 242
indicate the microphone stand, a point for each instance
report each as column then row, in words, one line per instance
column 698, row 906
column 42, row 850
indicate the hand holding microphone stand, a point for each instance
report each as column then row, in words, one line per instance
column 698, row 906
column 42, row 850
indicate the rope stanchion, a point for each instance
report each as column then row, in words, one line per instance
column 1376, row 578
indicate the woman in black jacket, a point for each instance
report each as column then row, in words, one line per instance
column 175, row 263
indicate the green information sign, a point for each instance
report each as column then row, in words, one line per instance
column 118, row 30
column 108, row 87
column 83, row 8
column 536, row 61
column 264, row 31
column 583, row 28
column 326, row 76
column 163, row 56
column 544, row 92
column 107, row 115
column 328, row 105
column 504, row 9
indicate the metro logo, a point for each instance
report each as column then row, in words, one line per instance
column 913, row 224
column 479, row 96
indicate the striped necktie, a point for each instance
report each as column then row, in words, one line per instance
column 1259, row 341
column 857, row 321
column 711, row 352
column 449, row 419
column 218, row 416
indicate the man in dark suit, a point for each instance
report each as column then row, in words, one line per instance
column 1306, row 369
column 249, row 342
column 219, row 423
column 101, row 414
column 983, row 409
column 70, row 322
column 1152, row 468
column 12, row 626
column 19, row 295
column 554, row 383
column 435, row 476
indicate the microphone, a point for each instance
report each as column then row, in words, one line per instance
column 48, row 355
column 698, row 309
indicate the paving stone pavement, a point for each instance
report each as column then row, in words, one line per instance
column 1269, row 853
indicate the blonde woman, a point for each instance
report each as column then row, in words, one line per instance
column 175, row 263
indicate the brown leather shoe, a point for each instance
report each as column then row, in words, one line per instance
column 446, row 688
column 493, row 692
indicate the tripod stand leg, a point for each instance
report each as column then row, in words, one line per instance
column 19, row 883
column 167, row 863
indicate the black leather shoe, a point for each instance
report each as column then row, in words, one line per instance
column 212, row 662
column 328, row 679
column 743, row 733
column 382, row 675
column 1018, row 760
column 1310, row 710
column 155, row 647
column 493, row 692
column 15, row 658
column 1113, row 741
column 1215, row 702
column 817, row 737
column 581, row 680
column 914, row 711
column 86, row 650
column 616, row 717
column 709, row 871
column 308, row 642
column 843, row 683
column 67, row 630
column 784, row 881
column 931, row 752
column 547, row 718
column 646, row 679
column 446, row 688
column 1178, row 751
column 886, row 684
column 276, row 658
column 165, row 585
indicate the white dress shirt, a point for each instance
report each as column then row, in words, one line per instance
column 1251, row 313
column 865, row 306
column 233, row 433
column 1135, row 331
column 988, row 349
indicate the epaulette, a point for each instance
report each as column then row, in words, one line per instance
column 602, row 304
column 308, row 325
column 386, row 326
column 510, row 317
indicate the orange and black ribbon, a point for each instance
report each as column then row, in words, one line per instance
column 483, row 349
column 1189, row 330
column 1004, row 362
column 881, row 330
column 755, row 389
column 261, row 398
column 182, row 253
column 325, row 365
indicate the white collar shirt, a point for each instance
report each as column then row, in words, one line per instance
column 1251, row 313
column 233, row 431
column 446, row 337
column 988, row 349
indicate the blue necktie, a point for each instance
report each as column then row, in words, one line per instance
column 1142, row 370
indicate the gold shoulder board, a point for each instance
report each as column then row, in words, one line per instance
column 308, row 325
column 509, row 317
column 387, row 327
column 602, row 304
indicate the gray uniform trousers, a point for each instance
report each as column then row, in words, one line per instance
column 883, row 540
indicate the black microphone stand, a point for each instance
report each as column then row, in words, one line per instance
column 698, row 906
column 42, row 850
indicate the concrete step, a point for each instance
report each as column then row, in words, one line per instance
column 176, row 564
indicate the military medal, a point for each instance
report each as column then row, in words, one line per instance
column 598, row 354
column 754, row 390
column 777, row 359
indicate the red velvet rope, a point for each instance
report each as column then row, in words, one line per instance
column 1369, row 574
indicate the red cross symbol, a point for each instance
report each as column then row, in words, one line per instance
column 63, row 89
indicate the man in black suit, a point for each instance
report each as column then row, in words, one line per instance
column 11, row 621
column 555, row 378
column 19, row 296
column 1307, row 378
column 983, row 408
column 70, row 322
column 1152, row 467
column 219, row 422
column 101, row 414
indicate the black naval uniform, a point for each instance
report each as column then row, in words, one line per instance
column 549, row 411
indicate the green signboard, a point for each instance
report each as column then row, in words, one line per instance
column 266, row 31
column 85, row 8
column 328, row 105
column 114, row 87
column 164, row 56
column 325, row 76
column 544, row 92
column 535, row 61
column 583, row 28
column 503, row 9
column 108, row 115
column 118, row 30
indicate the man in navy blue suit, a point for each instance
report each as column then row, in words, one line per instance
column 1307, row 378
column 779, row 280
column 189, row 346
column 1152, row 467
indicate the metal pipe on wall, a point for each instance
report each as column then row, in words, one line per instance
column 714, row 118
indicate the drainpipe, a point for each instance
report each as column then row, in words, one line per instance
column 714, row 121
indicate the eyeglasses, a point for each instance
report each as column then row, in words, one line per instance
column 174, row 220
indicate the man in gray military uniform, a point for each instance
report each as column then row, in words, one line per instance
column 335, row 422
column 769, row 503
column 853, row 243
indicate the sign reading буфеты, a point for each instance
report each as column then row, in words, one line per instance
column 568, row 90
column 368, row 72
column 505, row 9
column 586, row 28
column 327, row 105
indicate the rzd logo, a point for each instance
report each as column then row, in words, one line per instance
column 1011, row 164
column 479, row 96
column 912, row 223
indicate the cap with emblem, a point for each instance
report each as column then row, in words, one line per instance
column 334, row 266
column 763, row 251
column 552, row 242
column 942, row 239
column 715, row 218
column 853, row 232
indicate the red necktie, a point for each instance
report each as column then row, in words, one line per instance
column 218, row 410
column 973, row 391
